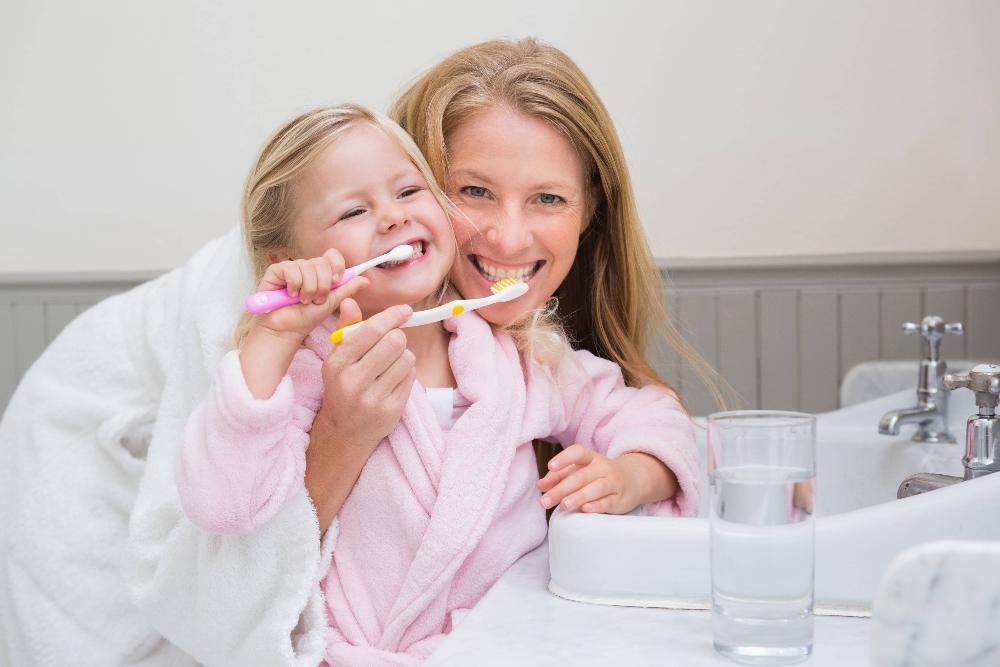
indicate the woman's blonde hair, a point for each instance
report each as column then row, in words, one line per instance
column 613, row 294
column 268, row 206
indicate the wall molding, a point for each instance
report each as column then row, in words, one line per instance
column 782, row 330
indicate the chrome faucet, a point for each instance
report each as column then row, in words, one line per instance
column 931, row 412
column 982, row 432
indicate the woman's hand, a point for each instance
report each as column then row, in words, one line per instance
column 366, row 383
column 580, row 478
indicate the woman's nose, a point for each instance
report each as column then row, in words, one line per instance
column 511, row 234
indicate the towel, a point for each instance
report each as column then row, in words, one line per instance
column 100, row 565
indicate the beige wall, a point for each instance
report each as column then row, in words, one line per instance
column 752, row 128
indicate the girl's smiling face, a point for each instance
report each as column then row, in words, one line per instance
column 522, row 187
column 363, row 196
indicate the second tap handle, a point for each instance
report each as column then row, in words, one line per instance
column 955, row 328
column 953, row 381
column 984, row 380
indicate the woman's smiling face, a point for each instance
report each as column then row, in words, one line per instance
column 521, row 187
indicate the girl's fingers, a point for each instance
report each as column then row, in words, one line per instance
column 324, row 280
column 292, row 274
column 609, row 504
column 577, row 454
column 591, row 493
column 340, row 296
column 308, row 291
column 574, row 482
column 553, row 477
column 333, row 259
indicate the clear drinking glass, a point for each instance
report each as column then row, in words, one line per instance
column 761, row 467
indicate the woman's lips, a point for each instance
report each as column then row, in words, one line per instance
column 492, row 272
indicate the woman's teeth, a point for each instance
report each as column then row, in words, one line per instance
column 495, row 273
column 418, row 251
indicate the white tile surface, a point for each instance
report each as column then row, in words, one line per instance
column 520, row 623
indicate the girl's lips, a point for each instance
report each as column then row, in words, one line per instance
column 421, row 251
column 491, row 272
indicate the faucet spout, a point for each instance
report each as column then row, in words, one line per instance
column 892, row 420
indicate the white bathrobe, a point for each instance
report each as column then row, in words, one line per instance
column 99, row 564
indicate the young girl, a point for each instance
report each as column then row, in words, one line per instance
column 447, row 500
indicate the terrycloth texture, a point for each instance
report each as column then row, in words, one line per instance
column 435, row 518
column 88, row 445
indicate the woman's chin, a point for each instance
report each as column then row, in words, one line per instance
column 502, row 314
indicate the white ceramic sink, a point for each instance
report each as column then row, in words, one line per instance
column 860, row 526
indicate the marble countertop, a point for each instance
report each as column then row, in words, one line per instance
column 519, row 622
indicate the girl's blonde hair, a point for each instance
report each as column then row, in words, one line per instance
column 613, row 294
column 268, row 206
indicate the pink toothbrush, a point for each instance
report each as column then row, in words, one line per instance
column 268, row 300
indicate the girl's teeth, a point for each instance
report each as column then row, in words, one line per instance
column 418, row 251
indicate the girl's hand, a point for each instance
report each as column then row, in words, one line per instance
column 582, row 479
column 310, row 281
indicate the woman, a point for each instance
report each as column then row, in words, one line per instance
column 523, row 145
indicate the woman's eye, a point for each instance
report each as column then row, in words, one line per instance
column 475, row 191
column 353, row 213
column 547, row 198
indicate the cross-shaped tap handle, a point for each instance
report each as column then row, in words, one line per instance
column 933, row 328
column 984, row 380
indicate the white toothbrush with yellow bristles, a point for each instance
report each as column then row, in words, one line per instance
column 503, row 290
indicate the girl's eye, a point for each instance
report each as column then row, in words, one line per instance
column 353, row 213
column 409, row 191
column 475, row 191
column 547, row 198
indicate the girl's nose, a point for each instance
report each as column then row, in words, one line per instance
column 511, row 234
column 393, row 216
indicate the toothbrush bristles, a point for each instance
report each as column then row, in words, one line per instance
column 501, row 285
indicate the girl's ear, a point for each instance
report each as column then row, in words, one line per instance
column 279, row 255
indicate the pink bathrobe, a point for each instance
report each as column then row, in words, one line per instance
column 435, row 518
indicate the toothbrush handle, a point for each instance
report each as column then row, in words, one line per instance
column 268, row 300
column 444, row 311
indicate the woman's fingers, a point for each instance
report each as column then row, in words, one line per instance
column 355, row 349
column 386, row 383
column 350, row 312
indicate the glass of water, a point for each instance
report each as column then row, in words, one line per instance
column 761, row 467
